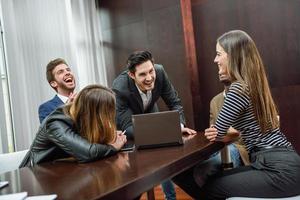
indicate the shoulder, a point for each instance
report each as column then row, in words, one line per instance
column 217, row 101
column 55, row 101
column 238, row 93
column 239, row 88
column 218, row 97
column 58, row 116
column 159, row 68
column 46, row 106
column 161, row 75
column 121, row 82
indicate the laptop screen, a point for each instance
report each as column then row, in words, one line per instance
column 157, row 129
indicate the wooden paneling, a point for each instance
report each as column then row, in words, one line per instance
column 287, row 99
column 273, row 24
column 130, row 25
column 191, row 58
column 166, row 29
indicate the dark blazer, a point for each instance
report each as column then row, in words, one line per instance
column 129, row 101
column 58, row 138
column 48, row 107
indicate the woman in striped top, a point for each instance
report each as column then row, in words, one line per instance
column 249, row 108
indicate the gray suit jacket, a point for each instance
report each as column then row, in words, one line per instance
column 129, row 101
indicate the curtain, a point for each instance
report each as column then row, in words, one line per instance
column 37, row 31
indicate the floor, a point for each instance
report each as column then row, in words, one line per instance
column 159, row 195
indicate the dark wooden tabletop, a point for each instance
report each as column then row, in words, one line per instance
column 123, row 176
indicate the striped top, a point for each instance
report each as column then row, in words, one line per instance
column 238, row 112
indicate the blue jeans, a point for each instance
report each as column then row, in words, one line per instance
column 169, row 190
column 235, row 156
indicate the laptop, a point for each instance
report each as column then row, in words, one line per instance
column 159, row 129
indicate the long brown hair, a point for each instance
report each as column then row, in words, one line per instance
column 93, row 112
column 245, row 65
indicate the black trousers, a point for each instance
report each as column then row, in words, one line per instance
column 273, row 173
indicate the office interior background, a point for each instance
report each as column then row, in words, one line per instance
column 96, row 37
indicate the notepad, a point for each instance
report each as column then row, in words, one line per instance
column 15, row 196
column 23, row 196
column 42, row 197
column 3, row 184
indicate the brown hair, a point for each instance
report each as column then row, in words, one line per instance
column 245, row 65
column 50, row 67
column 93, row 112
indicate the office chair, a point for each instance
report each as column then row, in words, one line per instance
column 248, row 198
column 11, row 161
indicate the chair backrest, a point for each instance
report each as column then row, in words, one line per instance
column 11, row 161
column 245, row 198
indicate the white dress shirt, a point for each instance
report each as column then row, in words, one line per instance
column 146, row 97
column 63, row 98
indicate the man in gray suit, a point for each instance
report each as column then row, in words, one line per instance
column 137, row 90
column 139, row 87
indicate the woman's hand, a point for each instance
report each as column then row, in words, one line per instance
column 211, row 133
column 120, row 140
column 71, row 98
column 231, row 136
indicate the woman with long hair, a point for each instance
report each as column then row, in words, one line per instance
column 249, row 108
column 84, row 129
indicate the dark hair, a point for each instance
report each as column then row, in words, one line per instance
column 50, row 67
column 137, row 58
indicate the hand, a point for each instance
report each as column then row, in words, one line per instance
column 211, row 133
column 72, row 96
column 120, row 132
column 188, row 131
column 231, row 136
column 120, row 140
column 187, row 138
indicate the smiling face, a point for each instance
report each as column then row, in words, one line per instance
column 64, row 81
column 144, row 76
column 221, row 60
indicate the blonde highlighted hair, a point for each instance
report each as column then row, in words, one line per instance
column 93, row 113
column 245, row 65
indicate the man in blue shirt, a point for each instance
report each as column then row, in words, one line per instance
column 62, row 80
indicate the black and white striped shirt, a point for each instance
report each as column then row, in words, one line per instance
column 238, row 112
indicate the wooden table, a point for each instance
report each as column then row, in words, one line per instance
column 123, row 176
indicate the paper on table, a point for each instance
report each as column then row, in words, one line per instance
column 3, row 184
column 42, row 197
column 23, row 196
column 15, row 196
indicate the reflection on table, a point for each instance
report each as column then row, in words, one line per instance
column 125, row 175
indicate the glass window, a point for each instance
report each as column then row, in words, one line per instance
column 6, row 133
